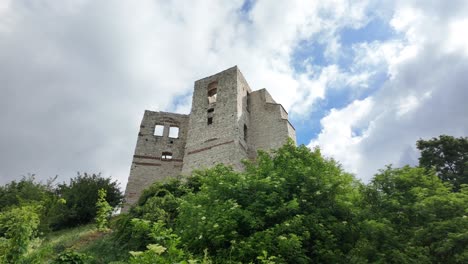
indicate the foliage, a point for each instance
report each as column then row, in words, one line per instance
column 81, row 195
column 410, row 216
column 166, row 247
column 72, row 257
column 295, row 204
column 104, row 211
column 17, row 228
column 448, row 156
column 24, row 191
column 288, row 206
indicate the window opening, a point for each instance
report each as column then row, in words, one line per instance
column 212, row 92
column 173, row 132
column 158, row 130
column 245, row 133
column 210, row 120
column 166, row 155
column 248, row 102
column 211, row 110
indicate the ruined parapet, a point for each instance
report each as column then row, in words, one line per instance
column 272, row 128
column 228, row 123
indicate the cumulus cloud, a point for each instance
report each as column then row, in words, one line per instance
column 77, row 75
column 423, row 96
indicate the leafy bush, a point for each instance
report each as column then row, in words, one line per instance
column 295, row 205
column 17, row 228
column 24, row 191
column 72, row 257
column 104, row 211
column 81, row 195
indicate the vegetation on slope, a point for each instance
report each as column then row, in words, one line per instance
column 293, row 206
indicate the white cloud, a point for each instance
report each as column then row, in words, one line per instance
column 339, row 138
column 77, row 75
column 422, row 98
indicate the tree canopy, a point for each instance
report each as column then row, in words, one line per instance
column 448, row 156
column 295, row 206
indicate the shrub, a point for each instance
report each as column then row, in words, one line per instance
column 17, row 228
column 104, row 211
column 81, row 196
column 72, row 257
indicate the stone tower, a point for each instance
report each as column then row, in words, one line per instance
column 227, row 123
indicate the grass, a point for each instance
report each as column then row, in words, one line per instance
column 83, row 239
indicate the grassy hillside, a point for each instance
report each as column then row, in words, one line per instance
column 83, row 240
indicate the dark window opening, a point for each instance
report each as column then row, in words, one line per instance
column 159, row 130
column 173, row 132
column 248, row 102
column 245, row 133
column 211, row 110
column 212, row 92
column 210, row 120
column 166, row 156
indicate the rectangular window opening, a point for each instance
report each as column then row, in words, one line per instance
column 210, row 120
column 166, row 155
column 159, row 130
column 173, row 132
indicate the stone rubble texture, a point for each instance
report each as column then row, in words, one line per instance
column 243, row 122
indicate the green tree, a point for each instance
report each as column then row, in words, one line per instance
column 26, row 190
column 81, row 195
column 410, row 216
column 448, row 156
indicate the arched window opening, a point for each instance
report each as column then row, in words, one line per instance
column 159, row 130
column 166, row 155
column 212, row 92
column 173, row 132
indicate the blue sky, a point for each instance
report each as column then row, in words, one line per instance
column 363, row 80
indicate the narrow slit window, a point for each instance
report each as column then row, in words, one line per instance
column 212, row 92
column 166, row 155
column 210, row 120
column 173, row 132
column 159, row 130
column 245, row 133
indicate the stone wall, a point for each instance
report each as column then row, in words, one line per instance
column 149, row 164
column 271, row 127
column 218, row 142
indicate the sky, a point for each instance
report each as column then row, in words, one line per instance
column 363, row 80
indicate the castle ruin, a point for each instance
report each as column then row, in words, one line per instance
column 228, row 122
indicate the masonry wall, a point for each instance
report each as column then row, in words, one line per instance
column 219, row 142
column 271, row 127
column 148, row 164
